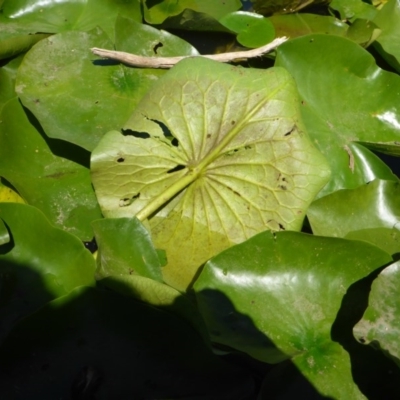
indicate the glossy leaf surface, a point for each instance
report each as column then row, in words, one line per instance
column 80, row 100
column 44, row 175
column 380, row 325
column 351, row 101
column 4, row 234
column 93, row 344
column 388, row 42
column 372, row 206
column 40, row 263
column 125, row 248
column 283, row 300
column 352, row 9
column 212, row 155
column 54, row 16
column 157, row 12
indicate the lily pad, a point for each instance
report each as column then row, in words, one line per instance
column 388, row 43
column 283, row 300
column 353, row 101
column 59, row 185
column 125, row 248
column 79, row 100
column 156, row 12
column 380, row 324
column 370, row 206
column 98, row 344
column 4, row 234
column 39, row 264
column 268, row 7
column 8, row 73
column 54, row 16
column 253, row 30
column 352, row 9
column 211, row 156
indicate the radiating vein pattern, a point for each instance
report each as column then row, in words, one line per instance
column 238, row 162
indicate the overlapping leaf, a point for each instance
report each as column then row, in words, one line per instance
column 78, row 99
column 380, row 325
column 283, row 300
column 352, row 101
column 40, row 263
column 211, row 156
column 59, row 187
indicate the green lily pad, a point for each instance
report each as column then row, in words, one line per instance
column 56, row 16
column 8, row 73
column 156, row 12
column 97, row 343
column 351, row 101
column 283, row 300
column 125, row 248
column 20, row 44
column 380, row 324
column 47, row 174
column 352, row 9
column 39, row 264
column 388, row 43
column 211, row 156
column 80, row 100
column 268, row 7
column 370, row 206
column 253, row 30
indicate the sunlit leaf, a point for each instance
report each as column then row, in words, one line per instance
column 370, row 206
column 56, row 16
column 40, row 263
column 211, row 156
column 380, row 325
column 4, row 234
column 252, row 29
column 94, row 342
column 351, row 101
column 281, row 302
column 47, row 174
column 125, row 248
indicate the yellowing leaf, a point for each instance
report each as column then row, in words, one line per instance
column 212, row 155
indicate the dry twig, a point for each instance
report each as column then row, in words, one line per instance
column 168, row 62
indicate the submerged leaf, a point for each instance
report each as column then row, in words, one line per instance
column 380, row 325
column 212, row 155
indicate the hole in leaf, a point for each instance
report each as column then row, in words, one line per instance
column 127, row 201
column 130, row 132
column 157, row 46
column 177, row 168
column 288, row 133
column 281, row 227
column 165, row 129
column 175, row 142
column 121, row 159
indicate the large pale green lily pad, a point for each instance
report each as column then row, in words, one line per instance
column 388, row 43
column 156, row 12
column 351, row 101
column 98, row 344
column 125, row 248
column 40, row 263
column 380, row 324
column 283, row 301
column 59, row 16
column 212, row 155
column 78, row 98
column 49, row 175
column 356, row 212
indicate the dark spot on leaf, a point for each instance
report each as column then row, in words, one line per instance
column 130, row 271
column 208, row 135
column 36, row 101
column 247, row 147
column 130, row 132
column 361, row 340
column 177, row 168
column 233, row 122
column 283, row 187
column 96, row 102
column 126, row 201
column 121, row 159
column 281, row 227
column 136, row 196
column 303, row 102
column 288, row 133
column 175, row 142
column 157, row 46
column 311, row 40
column 165, row 129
